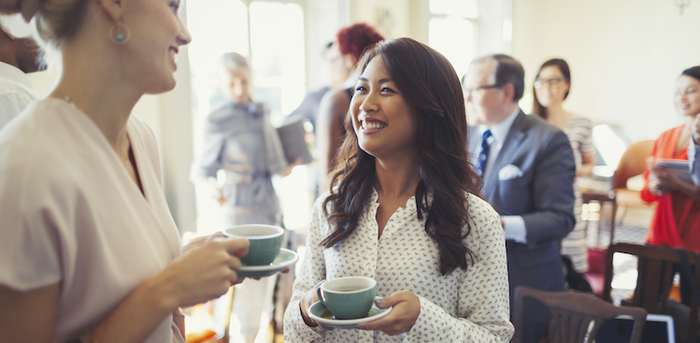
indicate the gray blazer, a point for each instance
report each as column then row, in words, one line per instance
column 694, row 161
column 543, row 196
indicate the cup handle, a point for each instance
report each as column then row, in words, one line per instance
column 319, row 292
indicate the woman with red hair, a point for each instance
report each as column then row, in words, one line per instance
column 346, row 51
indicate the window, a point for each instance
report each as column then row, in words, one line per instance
column 271, row 35
column 277, row 41
column 451, row 31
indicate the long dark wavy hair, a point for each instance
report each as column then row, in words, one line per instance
column 430, row 85
column 537, row 108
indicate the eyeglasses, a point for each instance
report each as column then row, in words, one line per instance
column 539, row 83
column 470, row 91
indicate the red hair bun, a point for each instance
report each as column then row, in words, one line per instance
column 356, row 38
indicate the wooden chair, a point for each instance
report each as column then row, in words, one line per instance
column 572, row 312
column 654, row 278
column 632, row 163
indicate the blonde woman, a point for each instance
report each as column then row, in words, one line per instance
column 89, row 251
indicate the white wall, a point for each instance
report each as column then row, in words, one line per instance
column 625, row 56
column 390, row 17
column 322, row 19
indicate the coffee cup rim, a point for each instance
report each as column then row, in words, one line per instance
column 280, row 232
column 374, row 284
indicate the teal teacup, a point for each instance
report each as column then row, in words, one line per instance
column 265, row 242
column 348, row 297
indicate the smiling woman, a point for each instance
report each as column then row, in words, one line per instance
column 90, row 251
column 405, row 210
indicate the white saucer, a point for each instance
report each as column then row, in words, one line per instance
column 284, row 260
column 317, row 309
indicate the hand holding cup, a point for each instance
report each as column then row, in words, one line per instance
column 202, row 273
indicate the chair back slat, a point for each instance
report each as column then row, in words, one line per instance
column 572, row 312
column 654, row 278
column 649, row 282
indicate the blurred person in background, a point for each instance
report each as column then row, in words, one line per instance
column 89, row 249
column 676, row 221
column 308, row 109
column 694, row 151
column 528, row 169
column 240, row 140
column 346, row 51
column 552, row 86
column 19, row 55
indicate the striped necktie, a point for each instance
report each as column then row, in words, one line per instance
column 484, row 153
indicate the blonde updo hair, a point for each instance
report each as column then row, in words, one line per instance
column 56, row 20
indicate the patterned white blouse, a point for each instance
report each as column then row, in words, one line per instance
column 471, row 306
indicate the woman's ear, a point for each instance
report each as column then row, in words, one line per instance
column 114, row 9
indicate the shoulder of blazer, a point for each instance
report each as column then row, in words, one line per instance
column 535, row 124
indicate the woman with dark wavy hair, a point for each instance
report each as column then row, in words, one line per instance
column 405, row 210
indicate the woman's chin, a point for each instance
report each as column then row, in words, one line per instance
column 162, row 87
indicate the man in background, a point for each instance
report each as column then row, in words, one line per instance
column 694, row 151
column 18, row 57
column 528, row 170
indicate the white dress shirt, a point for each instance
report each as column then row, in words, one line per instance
column 514, row 225
column 463, row 306
column 15, row 92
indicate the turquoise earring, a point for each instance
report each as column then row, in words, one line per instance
column 119, row 33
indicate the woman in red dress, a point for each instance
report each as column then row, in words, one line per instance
column 676, row 222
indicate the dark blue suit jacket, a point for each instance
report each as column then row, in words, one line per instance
column 543, row 196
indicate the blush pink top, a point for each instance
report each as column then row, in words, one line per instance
column 71, row 214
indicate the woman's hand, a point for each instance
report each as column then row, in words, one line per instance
column 288, row 169
column 219, row 196
column 402, row 317
column 585, row 170
column 204, row 272
column 666, row 179
column 200, row 241
column 306, row 301
column 655, row 186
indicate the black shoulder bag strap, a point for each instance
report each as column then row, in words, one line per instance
column 688, row 272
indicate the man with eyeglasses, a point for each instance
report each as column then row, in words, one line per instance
column 528, row 169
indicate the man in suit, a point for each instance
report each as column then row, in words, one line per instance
column 694, row 151
column 528, row 170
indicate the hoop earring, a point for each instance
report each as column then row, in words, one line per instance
column 119, row 33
